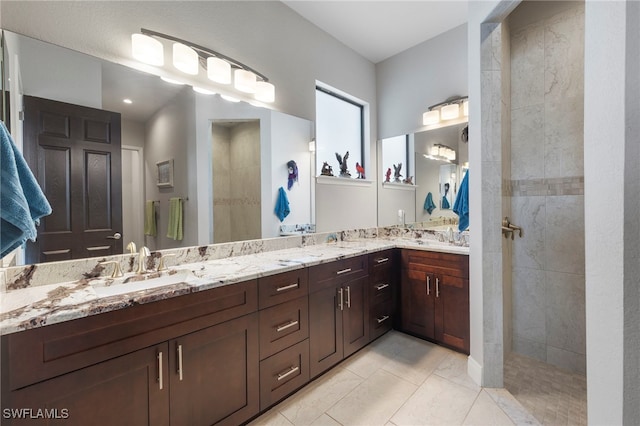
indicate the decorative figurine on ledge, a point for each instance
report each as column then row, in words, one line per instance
column 344, row 172
column 292, row 167
column 327, row 170
column 408, row 181
column 396, row 172
column 360, row 171
column 388, row 175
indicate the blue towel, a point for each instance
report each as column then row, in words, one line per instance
column 445, row 203
column 461, row 206
column 282, row 205
column 22, row 202
column 429, row 205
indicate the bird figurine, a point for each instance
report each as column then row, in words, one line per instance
column 388, row 175
column 408, row 181
column 344, row 172
column 360, row 170
column 292, row 167
column 327, row 170
column 396, row 174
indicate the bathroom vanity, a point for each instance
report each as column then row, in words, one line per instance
column 215, row 350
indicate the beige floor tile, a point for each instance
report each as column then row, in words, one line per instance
column 271, row 418
column 374, row 401
column 485, row 411
column 454, row 368
column 510, row 405
column 311, row 402
column 437, row 402
column 367, row 361
column 416, row 362
column 325, row 420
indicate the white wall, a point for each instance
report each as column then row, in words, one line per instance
column 45, row 73
column 612, row 113
column 424, row 75
column 290, row 138
column 170, row 134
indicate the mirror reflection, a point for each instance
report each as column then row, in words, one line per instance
column 223, row 161
column 438, row 158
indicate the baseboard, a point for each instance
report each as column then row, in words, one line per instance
column 474, row 370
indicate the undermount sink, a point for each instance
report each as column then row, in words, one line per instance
column 137, row 283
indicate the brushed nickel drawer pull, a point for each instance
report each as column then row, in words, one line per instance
column 180, row 361
column 285, row 326
column 383, row 319
column 160, row 369
column 344, row 271
column 287, row 287
column 341, row 304
column 348, row 296
column 382, row 260
column 382, row 286
column 437, row 287
column 288, row 373
column 428, row 285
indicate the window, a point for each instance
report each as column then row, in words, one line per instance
column 395, row 150
column 339, row 128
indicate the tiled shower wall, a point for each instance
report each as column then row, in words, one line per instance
column 236, row 182
column 547, row 185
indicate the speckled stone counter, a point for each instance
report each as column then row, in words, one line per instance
column 26, row 304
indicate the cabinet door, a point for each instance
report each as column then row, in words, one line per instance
column 214, row 374
column 417, row 303
column 452, row 311
column 325, row 329
column 355, row 315
column 129, row 390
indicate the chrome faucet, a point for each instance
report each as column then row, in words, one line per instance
column 142, row 260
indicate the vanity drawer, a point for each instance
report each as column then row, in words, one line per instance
column 283, row 373
column 333, row 273
column 453, row 265
column 283, row 325
column 381, row 261
column 49, row 351
column 381, row 319
column 381, row 287
column 283, row 287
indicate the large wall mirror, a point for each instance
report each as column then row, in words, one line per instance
column 438, row 159
column 225, row 160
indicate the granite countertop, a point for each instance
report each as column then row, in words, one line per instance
column 31, row 307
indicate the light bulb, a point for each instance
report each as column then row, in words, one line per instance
column 244, row 81
column 265, row 92
column 449, row 112
column 185, row 59
column 431, row 117
column 218, row 70
column 147, row 49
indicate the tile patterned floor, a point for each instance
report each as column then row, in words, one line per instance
column 554, row 396
column 398, row 380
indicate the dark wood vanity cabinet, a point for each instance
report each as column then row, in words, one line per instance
column 186, row 360
column 383, row 278
column 284, row 335
column 434, row 293
column 338, row 311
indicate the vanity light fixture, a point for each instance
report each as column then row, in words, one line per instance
column 171, row 81
column 127, row 101
column 451, row 109
column 203, row 91
column 185, row 59
column 188, row 57
column 244, row 81
column 147, row 49
column 441, row 153
column 230, row 98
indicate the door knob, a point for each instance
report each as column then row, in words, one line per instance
column 115, row 236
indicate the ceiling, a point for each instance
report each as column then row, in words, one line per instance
column 380, row 29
